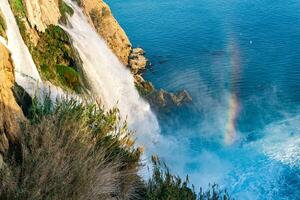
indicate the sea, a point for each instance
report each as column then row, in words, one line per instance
column 240, row 62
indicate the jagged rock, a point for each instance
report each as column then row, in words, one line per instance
column 10, row 112
column 41, row 13
column 137, row 60
column 162, row 98
column 100, row 16
column 181, row 97
column 138, row 51
column 144, row 87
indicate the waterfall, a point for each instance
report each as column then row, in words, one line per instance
column 26, row 73
column 109, row 79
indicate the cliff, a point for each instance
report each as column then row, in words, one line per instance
column 41, row 13
column 38, row 22
column 10, row 112
column 107, row 26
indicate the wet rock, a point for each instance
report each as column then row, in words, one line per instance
column 181, row 97
column 137, row 60
column 144, row 87
column 138, row 51
column 162, row 98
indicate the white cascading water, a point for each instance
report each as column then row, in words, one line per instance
column 26, row 73
column 109, row 79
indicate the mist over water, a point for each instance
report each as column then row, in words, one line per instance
column 240, row 62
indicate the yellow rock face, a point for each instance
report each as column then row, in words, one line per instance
column 10, row 112
column 100, row 16
column 41, row 13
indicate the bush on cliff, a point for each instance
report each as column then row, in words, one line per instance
column 77, row 151
column 65, row 10
column 53, row 47
column 53, row 55
column 72, row 151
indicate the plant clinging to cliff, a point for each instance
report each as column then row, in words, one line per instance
column 72, row 151
column 65, row 10
column 165, row 186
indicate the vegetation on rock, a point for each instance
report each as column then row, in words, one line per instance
column 56, row 59
column 53, row 54
column 65, row 10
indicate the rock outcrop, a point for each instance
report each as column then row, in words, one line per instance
column 10, row 112
column 137, row 61
column 107, row 26
column 41, row 13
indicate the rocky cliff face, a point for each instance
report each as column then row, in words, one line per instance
column 10, row 112
column 107, row 26
column 41, row 13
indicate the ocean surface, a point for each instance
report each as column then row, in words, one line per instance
column 240, row 61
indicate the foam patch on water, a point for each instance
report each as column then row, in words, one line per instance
column 282, row 141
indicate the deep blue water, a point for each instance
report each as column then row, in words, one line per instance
column 216, row 49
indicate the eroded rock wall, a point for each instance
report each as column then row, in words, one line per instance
column 41, row 13
column 107, row 26
column 10, row 112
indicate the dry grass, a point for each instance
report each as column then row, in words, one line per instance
column 72, row 152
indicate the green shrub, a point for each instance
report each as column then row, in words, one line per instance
column 68, row 76
column 72, row 151
column 65, row 10
column 18, row 7
column 56, row 59
column 19, row 12
column 165, row 186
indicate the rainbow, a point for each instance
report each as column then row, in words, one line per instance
column 233, row 103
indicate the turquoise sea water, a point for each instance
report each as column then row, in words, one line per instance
column 240, row 61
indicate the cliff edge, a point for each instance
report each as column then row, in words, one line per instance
column 10, row 112
column 107, row 26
